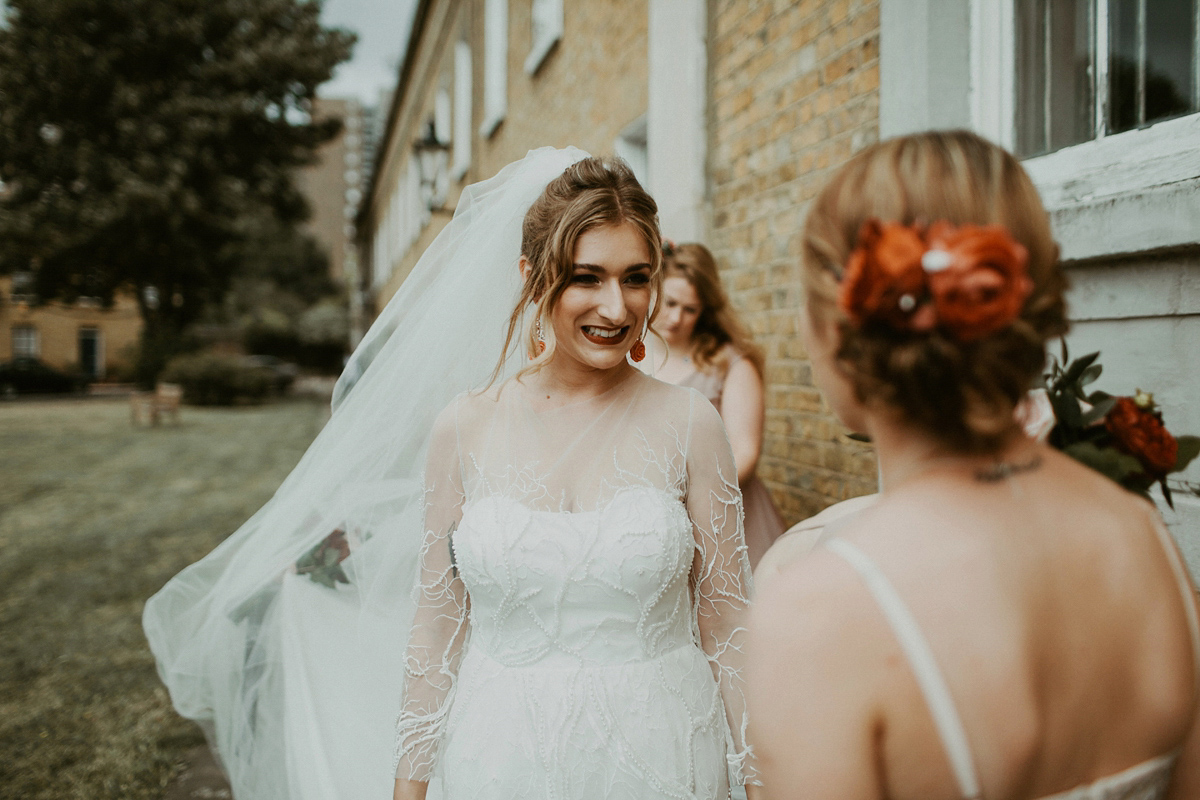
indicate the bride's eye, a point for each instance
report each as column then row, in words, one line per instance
column 638, row 279
column 584, row 278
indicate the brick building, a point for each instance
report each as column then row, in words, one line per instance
column 736, row 111
column 79, row 337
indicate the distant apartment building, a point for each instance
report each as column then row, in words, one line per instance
column 332, row 185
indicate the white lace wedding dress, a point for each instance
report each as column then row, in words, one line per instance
column 583, row 582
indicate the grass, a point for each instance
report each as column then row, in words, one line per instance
column 95, row 516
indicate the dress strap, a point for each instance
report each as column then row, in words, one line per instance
column 924, row 666
column 1186, row 589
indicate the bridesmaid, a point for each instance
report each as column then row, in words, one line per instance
column 1002, row 622
column 709, row 350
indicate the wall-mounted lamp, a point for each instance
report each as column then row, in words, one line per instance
column 432, row 156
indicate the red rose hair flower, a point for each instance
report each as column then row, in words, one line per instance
column 969, row 281
column 982, row 283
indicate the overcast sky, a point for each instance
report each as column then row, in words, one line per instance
column 382, row 27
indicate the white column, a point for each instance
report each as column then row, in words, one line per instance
column 677, row 119
column 924, row 65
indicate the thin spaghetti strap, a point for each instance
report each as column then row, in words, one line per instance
column 924, row 666
column 1185, row 588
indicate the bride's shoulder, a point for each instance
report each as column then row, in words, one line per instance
column 679, row 403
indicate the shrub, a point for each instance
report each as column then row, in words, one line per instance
column 211, row 379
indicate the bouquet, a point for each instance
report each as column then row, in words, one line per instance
column 1121, row 437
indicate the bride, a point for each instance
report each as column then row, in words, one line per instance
column 572, row 528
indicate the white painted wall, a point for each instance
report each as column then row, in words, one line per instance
column 1144, row 316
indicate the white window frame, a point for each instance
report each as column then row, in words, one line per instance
column 35, row 351
column 943, row 65
column 463, row 80
column 1117, row 194
column 546, row 21
column 495, row 66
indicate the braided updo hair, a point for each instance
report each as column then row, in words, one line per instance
column 963, row 393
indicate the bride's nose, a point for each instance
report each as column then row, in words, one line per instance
column 612, row 303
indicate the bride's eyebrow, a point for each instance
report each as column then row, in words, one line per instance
column 600, row 270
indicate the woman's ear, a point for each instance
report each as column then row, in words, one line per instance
column 524, row 266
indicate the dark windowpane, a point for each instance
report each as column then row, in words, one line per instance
column 1170, row 43
column 1071, row 106
column 1055, row 74
column 1123, row 70
column 1151, row 70
column 1031, row 77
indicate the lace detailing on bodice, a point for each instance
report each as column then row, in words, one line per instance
column 593, row 588
column 600, row 539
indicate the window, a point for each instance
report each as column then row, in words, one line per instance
column 1089, row 68
column 547, row 30
column 22, row 287
column 495, row 65
column 462, row 110
column 631, row 145
column 25, row 342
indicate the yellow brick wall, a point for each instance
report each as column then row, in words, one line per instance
column 794, row 92
column 588, row 89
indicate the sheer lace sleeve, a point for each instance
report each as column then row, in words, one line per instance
column 439, row 626
column 722, row 571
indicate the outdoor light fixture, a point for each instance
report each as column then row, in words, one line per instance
column 432, row 155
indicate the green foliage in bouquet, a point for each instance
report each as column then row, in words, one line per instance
column 323, row 563
column 1121, row 437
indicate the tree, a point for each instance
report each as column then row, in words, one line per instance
column 140, row 140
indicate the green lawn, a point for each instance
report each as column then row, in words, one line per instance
column 95, row 516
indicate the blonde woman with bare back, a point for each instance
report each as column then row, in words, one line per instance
column 1002, row 623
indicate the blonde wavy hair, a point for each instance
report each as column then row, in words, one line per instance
column 961, row 393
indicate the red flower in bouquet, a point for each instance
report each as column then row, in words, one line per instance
column 1141, row 433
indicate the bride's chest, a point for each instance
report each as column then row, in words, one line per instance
column 634, row 546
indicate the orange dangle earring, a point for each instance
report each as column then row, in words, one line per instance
column 541, row 338
column 638, row 351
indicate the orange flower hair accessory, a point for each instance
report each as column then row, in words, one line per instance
column 968, row 281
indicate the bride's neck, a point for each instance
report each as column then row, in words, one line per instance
column 564, row 383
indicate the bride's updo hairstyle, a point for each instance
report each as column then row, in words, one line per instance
column 591, row 193
column 960, row 385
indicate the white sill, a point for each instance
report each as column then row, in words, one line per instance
column 1132, row 192
column 539, row 51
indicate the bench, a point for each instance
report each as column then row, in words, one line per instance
column 152, row 406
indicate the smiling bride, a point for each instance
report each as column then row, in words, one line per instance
column 583, row 574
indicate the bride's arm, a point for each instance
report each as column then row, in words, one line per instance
column 721, row 571
column 439, row 625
